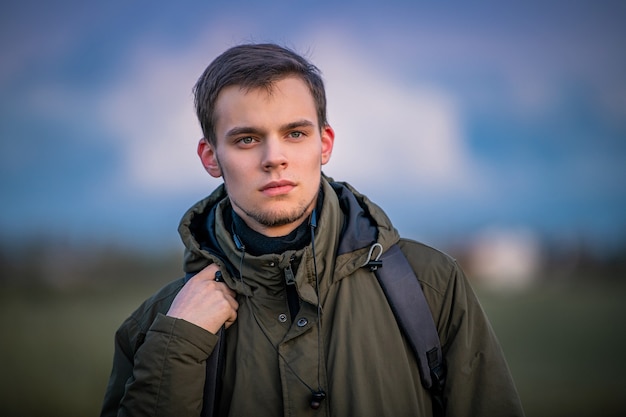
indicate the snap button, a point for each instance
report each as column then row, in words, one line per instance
column 282, row 318
column 302, row 322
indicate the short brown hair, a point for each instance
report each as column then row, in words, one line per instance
column 253, row 66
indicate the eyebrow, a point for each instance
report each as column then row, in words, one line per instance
column 246, row 130
column 242, row 130
column 298, row 124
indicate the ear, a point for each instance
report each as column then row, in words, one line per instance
column 208, row 156
column 328, row 140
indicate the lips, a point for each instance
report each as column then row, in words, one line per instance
column 277, row 187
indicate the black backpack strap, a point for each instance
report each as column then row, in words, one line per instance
column 212, row 382
column 407, row 301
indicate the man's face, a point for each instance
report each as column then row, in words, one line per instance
column 269, row 149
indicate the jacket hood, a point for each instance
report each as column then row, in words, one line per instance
column 361, row 223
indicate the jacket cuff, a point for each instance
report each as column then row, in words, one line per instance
column 182, row 329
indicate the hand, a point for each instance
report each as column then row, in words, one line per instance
column 205, row 303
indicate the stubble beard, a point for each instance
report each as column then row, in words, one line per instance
column 277, row 218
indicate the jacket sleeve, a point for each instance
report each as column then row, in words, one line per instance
column 166, row 374
column 478, row 382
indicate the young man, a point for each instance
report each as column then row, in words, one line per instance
column 276, row 289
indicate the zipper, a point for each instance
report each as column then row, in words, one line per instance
column 290, row 279
column 293, row 300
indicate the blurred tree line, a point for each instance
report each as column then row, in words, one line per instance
column 57, row 264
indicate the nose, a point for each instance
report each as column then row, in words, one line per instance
column 274, row 155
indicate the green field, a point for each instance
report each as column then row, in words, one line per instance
column 565, row 345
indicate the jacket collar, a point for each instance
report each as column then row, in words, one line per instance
column 348, row 226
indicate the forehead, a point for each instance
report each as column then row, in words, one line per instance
column 284, row 98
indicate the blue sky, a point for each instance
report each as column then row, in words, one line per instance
column 453, row 118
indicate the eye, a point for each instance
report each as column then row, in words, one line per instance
column 247, row 140
column 296, row 135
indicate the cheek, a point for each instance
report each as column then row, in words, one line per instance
column 234, row 174
column 309, row 158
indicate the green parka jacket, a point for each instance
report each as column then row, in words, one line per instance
column 272, row 363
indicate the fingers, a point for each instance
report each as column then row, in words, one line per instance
column 206, row 301
column 212, row 273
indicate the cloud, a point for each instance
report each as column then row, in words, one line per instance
column 149, row 111
column 390, row 130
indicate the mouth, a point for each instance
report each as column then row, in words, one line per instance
column 277, row 188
